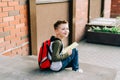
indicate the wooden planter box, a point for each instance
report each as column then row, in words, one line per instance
column 104, row 38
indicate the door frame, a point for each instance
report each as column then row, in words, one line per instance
column 33, row 27
column 32, row 23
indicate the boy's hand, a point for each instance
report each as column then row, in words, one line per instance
column 70, row 51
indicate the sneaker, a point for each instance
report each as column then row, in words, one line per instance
column 79, row 70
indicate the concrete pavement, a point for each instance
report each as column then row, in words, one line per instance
column 99, row 62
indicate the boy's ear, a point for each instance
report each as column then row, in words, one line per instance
column 56, row 31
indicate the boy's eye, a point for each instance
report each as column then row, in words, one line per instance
column 63, row 28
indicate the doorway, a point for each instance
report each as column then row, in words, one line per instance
column 47, row 13
column 95, row 9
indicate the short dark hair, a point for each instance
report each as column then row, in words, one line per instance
column 59, row 22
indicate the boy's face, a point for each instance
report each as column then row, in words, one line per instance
column 62, row 30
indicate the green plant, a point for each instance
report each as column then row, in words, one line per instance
column 115, row 30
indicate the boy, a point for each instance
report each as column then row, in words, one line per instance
column 59, row 59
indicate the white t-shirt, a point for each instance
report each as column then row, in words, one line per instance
column 55, row 66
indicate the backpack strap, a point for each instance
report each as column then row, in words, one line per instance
column 53, row 38
column 49, row 41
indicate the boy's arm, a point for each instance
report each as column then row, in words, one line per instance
column 56, row 56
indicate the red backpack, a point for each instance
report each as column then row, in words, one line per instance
column 43, row 59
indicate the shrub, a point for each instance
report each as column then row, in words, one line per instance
column 115, row 30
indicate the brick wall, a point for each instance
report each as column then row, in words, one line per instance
column 115, row 8
column 13, row 28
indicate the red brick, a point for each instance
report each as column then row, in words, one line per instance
column 24, row 33
column 17, row 51
column 11, row 37
column 1, row 40
column 0, row 9
column 1, row 29
column 26, row 46
column 26, row 40
column 15, row 40
column 19, row 17
column 24, row 52
column 13, row 13
column 4, row 24
column 119, row 1
column 7, row 0
column 26, row 15
column 115, row 8
column 3, row 44
column 3, row 14
column 2, row 49
column 19, row 7
column 3, row 4
column 20, row 42
column 15, row 31
column 13, row 3
column 0, row 20
column 23, row 11
column 15, row 22
column 19, row 34
column 20, row 25
column 11, row 18
column 14, row 52
column 10, row 28
column 23, row 20
column 8, row 8
column 3, row 34
column 10, row 46
column 25, row 7
column 25, row 28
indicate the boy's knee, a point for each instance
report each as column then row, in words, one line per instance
column 75, row 51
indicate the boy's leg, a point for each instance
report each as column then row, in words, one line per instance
column 75, row 61
column 71, row 61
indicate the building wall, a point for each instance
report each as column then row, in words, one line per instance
column 115, row 8
column 13, row 27
column 95, row 9
column 47, row 14
column 107, row 8
column 80, row 14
